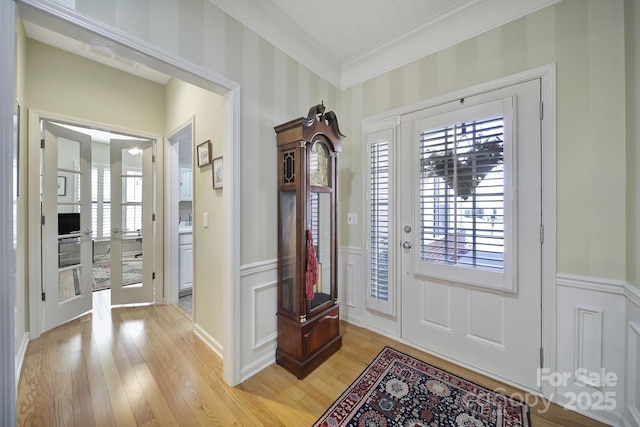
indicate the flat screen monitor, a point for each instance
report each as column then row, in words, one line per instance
column 68, row 223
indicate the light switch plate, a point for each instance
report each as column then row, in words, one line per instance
column 205, row 219
column 352, row 218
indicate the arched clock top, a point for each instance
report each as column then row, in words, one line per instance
column 319, row 124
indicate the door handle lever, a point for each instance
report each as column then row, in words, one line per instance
column 407, row 244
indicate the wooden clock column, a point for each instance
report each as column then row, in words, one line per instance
column 308, row 308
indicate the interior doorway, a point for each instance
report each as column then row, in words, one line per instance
column 72, row 24
column 179, row 208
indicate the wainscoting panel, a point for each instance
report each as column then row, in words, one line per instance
column 590, row 374
column 588, row 351
column 632, row 404
column 350, row 284
column 265, row 328
column 259, row 299
column 633, row 371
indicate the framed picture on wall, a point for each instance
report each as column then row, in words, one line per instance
column 204, row 153
column 217, row 172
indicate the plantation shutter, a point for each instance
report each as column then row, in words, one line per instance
column 100, row 202
column 379, row 260
column 379, row 219
column 462, row 194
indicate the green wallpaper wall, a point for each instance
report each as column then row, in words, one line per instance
column 585, row 39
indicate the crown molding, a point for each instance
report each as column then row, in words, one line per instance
column 447, row 29
column 438, row 34
column 287, row 36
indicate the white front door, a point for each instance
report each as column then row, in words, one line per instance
column 66, row 229
column 470, row 231
column 132, row 224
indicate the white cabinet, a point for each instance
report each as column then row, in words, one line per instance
column 185, row 262
column 185, row 183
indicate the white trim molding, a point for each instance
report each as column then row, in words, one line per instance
column 454, row 25
column 632, row 293
column 609, row 286
column 7, row 265
column 210, row 341
column 20, row 355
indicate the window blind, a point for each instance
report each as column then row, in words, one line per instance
column 379, row 220
column 461, row 194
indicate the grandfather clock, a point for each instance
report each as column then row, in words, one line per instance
column 308, row 308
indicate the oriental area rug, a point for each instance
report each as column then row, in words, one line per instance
column 399, row 390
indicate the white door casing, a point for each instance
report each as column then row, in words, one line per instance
column 490, row 320
column 129, row 171
column 66, row 190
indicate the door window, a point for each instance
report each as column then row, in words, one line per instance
column 461, row 194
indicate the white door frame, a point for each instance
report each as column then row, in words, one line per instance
column 547, row 74
column 8, row 369
column 36, row 321
column 73, row 24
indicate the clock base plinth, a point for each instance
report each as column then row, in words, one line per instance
column 302, row 347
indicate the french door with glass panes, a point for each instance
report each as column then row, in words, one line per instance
column 469, row 235
column 132, row 232
column 86, row 207
column 66, row 224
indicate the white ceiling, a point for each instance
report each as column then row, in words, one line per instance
column 346, row 42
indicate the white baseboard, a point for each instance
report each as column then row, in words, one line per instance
column 22, row 351
column 208, row 340
column 257, row 366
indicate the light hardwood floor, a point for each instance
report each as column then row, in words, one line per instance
column 143, row 366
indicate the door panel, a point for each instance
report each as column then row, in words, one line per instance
column 132, row 231
column 66, row 232
column 471, row 260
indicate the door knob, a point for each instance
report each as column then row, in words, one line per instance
column 407, row 244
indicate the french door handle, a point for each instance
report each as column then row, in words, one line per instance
column 116, row 231
column 87, row 232
column 407, row 244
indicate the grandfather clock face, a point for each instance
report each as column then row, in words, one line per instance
column 319, row 165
